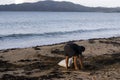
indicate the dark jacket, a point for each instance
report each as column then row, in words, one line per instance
column 72, row 49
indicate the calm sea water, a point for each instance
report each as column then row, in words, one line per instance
column 26, row 29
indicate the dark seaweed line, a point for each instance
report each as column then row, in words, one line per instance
column 111, row 42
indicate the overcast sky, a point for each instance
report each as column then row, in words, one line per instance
column 93, row 3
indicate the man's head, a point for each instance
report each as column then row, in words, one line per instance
column 81, row 48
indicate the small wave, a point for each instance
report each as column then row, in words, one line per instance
column 49, row 34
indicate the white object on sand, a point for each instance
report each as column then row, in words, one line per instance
column 63, row 62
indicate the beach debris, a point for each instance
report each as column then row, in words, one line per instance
column 91, row 41
column 36, row 48
column 1, row 57
column 57, row 51
column 11, row 77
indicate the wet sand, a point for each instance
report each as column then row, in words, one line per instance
column 101, row 62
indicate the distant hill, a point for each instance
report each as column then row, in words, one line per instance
column 55, row 6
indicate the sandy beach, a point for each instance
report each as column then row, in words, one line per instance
column 101, row 62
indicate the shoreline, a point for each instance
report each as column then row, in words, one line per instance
column 101, row 61
column 58, row 43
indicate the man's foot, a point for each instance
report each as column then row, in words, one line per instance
column 66, row 67
column 76, row 68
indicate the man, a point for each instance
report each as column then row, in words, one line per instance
column 73, row 50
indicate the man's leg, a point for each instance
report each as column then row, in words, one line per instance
column 75, row 63
column 67, row 58
column 81, row 61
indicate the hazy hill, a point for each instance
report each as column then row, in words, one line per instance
column 54, row 6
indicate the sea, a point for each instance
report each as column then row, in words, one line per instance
column 28, row 29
